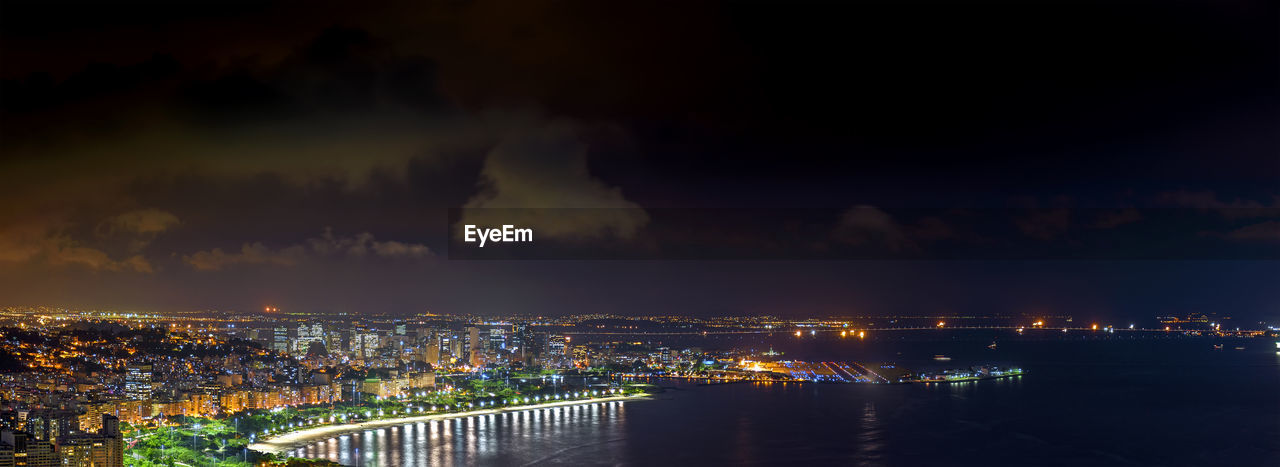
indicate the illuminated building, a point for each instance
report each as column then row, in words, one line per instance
column 473, row 339
column 556, row 345
column 27, row 450
column 137, row 382
column 103, row 449
column 306, row 335
column 48, row 424
column 280, row 339
column 431, row 354
column 497, row 339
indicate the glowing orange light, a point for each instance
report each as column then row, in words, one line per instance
column 797, row 333
column 942, row 323
column 1095, row 327
column 861, row 334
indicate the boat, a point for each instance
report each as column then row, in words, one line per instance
column 1239, row 347
column 992, row 346
column 1217, row 346
column 942, row 358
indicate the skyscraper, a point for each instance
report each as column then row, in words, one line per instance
column 103, row 449
column 280, row 339
column 137, row 382
column 556, row 345
column 497, row 339
column 27, row 451
column 473, row 339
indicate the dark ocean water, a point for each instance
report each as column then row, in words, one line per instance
column 1083, row 402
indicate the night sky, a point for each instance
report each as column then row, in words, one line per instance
column 233, row 155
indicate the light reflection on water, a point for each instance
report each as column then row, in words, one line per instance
column 1081, row 403
column 489, row 438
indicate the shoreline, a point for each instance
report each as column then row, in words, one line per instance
column 284, row 442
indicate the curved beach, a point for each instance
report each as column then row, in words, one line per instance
column 294, row 439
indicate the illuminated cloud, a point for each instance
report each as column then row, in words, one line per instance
column 395, row 249
column 67, row 253
column 255, row 253
column 362, row 244
column 42, row 241
column 142, row 221
column 326, row 245
column 871, row 226
column 545, row 166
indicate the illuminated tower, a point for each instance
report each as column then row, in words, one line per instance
column 137, row 382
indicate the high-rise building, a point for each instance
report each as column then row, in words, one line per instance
column 48, row 424
column 518, row 333
column 556, row 345
column 454, row 344
column 137, row 382
column 27, row 451
column 280, row 339
column 308, row 333
column 364, row 343
column 497, row 339
column 431, row 354
column 103, row 449
column 473, row 339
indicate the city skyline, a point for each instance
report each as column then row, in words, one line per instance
column 636, row 232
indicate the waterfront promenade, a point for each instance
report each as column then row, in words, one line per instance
column 294, row 439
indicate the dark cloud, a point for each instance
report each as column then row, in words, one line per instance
column 359, row 246
column 212, row 143
column 1112, row 219
column 1268, row 231
column 544, row 165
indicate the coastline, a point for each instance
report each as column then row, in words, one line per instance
column 294, row 439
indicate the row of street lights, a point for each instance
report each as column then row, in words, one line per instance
column 468, row 405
